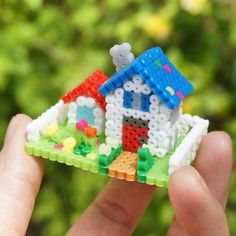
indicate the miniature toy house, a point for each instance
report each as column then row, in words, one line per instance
column 143, row 102
column 128, row 126
column 86, row 103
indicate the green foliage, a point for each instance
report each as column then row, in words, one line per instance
column 105, row 161
column 48, row 47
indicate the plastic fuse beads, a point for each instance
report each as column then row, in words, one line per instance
column 130, row 126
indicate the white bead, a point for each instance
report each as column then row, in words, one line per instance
column 160, row 152
column 118, row 136
column 104, row 149
column 110, row 108
column 119, row 92
column 110, row 124
column 183, row 129
column 137, row 79
column 90, row 103
column 33, row 137
column 99, row 129
column 125, row 48
column 31, row 128
column 119, row 101
column 162, row 118
column 112, row 142
column 128, row 59
column 99, row 121
column 81, row 101
column 121, row 55
column 145, row 116
column 114, row 50
column 165, row 110
column 109, row 132
column 137, row 88
column 152, row 151
column 195, row 120
column 152, row 133
column 146, row 89
column 110, row 99
column 152, row 142
column 154, row 109
column 98, row 112
column 186, row 119
column 71, row 115
column 154, row 99
column 128, row 86
column 72, row 106
column 135, row 113
column 109, row 116
column 118, row 119
column 165, row 143
column 153, row 125
column 165, row 126
column 127, row 112
column 161, row 135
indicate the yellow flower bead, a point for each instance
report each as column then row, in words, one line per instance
column 51, row 129
column 69, row 142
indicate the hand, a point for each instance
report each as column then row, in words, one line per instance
column 198, row 195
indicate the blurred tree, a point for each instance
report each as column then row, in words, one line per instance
column 48, row 47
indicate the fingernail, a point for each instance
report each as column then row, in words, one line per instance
column 11, row 128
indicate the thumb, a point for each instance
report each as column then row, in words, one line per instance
column 196, row 209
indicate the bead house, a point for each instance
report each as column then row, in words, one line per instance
column 130, row 126
column 144, row 100
column 86, row 103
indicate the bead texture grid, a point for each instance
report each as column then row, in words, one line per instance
column 130, row 126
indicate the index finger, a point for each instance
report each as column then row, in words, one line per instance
column 20, row 179
column 117, row 209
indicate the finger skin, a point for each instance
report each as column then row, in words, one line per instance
column 20, row 179
column 198, row 212
column 214, row 163
column 116, row 211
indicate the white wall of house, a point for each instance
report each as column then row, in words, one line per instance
column 114, row 115
column 163, row 122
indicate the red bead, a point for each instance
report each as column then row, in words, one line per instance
column 131, row 137
column 90, row 88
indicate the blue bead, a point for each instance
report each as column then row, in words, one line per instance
column 128, row 99
column 150, row 67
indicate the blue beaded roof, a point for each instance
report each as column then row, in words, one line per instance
column 158, row 73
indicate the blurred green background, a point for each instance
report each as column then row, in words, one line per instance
column 48, row 47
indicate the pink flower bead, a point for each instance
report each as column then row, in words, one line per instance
column 81, row 125
column 58, row 146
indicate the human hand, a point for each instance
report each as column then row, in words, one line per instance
column 198, row 195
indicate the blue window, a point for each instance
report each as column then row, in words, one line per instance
column 86, row 114
column 145, row 102
column 128, row 99
column 137, row 101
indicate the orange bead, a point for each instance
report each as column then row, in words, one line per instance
column 91, row 132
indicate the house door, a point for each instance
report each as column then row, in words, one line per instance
column 134, row 133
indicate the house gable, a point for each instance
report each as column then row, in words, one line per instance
column 89, row 88
column 158, row 73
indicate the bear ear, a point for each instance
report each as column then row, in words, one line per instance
column 122, row 55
